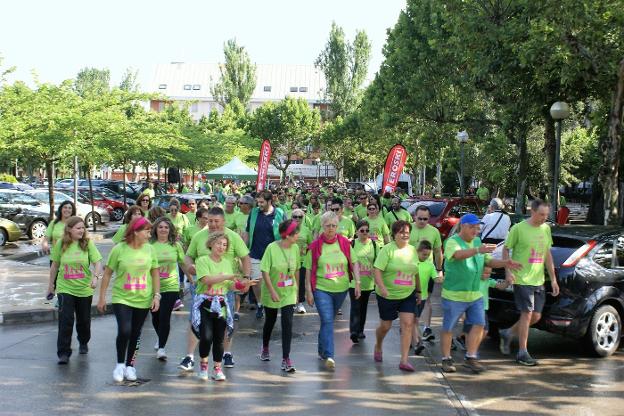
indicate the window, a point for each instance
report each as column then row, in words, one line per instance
column 619, row 252
column 187, row 87
column 604, row 256
column 162, row 86
column 293, row 89
column 194, row 107
column 196, row 87
column 303, row 89
column 267, row 88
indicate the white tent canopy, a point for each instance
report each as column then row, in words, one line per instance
column 234, row 169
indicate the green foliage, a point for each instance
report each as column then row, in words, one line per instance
column 92, row 82
column 238, row 76
column 5, row 177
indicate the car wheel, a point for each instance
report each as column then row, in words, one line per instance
column 118, row 214
column 604, row 332
column 89, row 219
column 4, row 237
column 37, row 229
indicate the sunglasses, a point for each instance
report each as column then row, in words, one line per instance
column 422, row 219
column 192, row 203
column 335, row 209
column 364, row 230
column 297, row 217
column 371, row 208
column 145, row 200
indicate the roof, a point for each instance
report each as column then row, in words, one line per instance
column 234, row 169
column 192, row 81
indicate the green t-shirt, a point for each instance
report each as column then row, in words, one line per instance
column 119, row 235
column 191, row 217
column 463, row 291
column 485, row 291
column 332, row 274
column 168, row 258
column 54, row 232
column 236, row 246
column 74, row 276
column 426, row 272
column 180, row 222
column 399, row 270
column 303, row 241
column 427, row 233
column 190, row 232
column 230, row 220
column 316, row 223
column 282, row 265
column 529, row 246
column 378, row 229
column 240, row 224
column 393, row 216
column 364, row 255
column 483, row 193
column 348, row 213
column 361, row 211
column 133, row 280
column 346, row 227
column 208, row 267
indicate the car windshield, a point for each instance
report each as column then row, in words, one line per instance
column 436, row 207
column 109, row 194
column 23, row 199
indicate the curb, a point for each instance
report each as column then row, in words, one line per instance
column 34, row 316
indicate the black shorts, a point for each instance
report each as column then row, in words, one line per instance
column 389, row 309
column 420, row 307
column 430, row 286
column 529, row 298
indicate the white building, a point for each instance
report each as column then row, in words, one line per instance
column 191, row 82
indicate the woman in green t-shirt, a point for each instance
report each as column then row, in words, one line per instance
column 136, row 290
column 215, row 279
column 55, row 230
column 179, row 220
column 303, row 241
column 144, row 203
column 279, row 266
column 133, row 212
column 379, row 231
column 364, row 253
column 397, row 288
column 170, row 256
column 71, row 257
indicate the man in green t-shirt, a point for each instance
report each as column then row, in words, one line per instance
column 396, row 213
column 530, row 243
column 461, row 291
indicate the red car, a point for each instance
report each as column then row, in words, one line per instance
column 116, row 208
column 445, row 212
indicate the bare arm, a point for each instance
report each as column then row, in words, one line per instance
column 437, row 257
column 246, row 263
column 108, row 274
column 53, row 272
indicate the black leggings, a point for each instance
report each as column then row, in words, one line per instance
column 69, row 306
column 359, row 307
column 211, row 334
column 161, row 319
column 129, row 323
column 301, row 295
column 287, row 323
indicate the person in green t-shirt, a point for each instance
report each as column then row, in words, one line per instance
column 170, row 256
column 133, row 212
column 179, row 220
column 55, row 230
column 361, row 209
column 303, row 241
column 483, row 193
column 145, row 203
column 230, row 213
column 530, row 242
column 71, row 256
column 465, row 258
column 396, row 213
column 190, row 215
column 379, row 231
column 398, row 289
column 136, row 290
column 216, row 277
column 364, row 252
column 279, row 267
column 347, row 208
column 346, row 226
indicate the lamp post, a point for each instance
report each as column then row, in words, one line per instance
column 558, row 111
column 318, row 170
column 462, row 138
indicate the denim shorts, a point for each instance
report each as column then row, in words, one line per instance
column 529, row 298
column 468, row 327
column 453, row 310
column 389, row 309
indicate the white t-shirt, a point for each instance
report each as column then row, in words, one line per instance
column 501, row 230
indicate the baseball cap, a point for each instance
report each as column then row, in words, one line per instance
column 470, row 219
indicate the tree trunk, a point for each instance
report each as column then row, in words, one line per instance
column 50, row 172
column 595, row 213
column 610, row 148
column 549, row 146
column 124, row 182
column 521, row 172
column 134, row 173
column 92, row 201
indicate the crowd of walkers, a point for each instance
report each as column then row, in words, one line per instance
column 287, row 250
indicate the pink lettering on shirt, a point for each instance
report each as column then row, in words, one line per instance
column 404, row 279
column 536, row 257
column 365, row 271
column 163, row 272
column 72, row 273
column 135, row 283
column 214, row 292
column 284, row 280
column 334, row 272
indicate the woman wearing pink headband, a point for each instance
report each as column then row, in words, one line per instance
column 280, row 268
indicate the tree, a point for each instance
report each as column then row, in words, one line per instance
column 345, row 66
column 92, row 81
column 289, row 125
column 238, row 76
column 6, row 71
column 129, row 81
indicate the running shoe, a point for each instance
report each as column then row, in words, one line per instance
column 178, row 305
column 187, row 364
column 236, row 316
column 330, row 363
column 118, row 372
column 460, row 343
column 419, row 348
column 161, row 354
column 355, row 339
column 300, row 308
column 473, row 364
column 228, row 360
column 217, row 374
column 505, row 341
column 130, row 373
column 406, row 367
column 156, row 346
column 260, row 312
column 339, row 312
column 203, row 371
column 428, row 334
column 361, row 335
column 448, row 366
column 288, row 366
column 63, row 359
column 83, row 349
column 377, row 356
column 526, row 359
column 264, row 354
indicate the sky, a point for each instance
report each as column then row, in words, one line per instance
column 55, row 39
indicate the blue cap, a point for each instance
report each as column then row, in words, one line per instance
column 471, row 219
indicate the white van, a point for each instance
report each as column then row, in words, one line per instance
column 405, row 183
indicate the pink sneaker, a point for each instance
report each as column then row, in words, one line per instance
column 407, row 367
column 378, row 356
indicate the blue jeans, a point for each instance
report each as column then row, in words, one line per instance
column 327, row 304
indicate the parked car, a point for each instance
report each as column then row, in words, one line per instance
column 132, row 189
column 83, row 210
column 589, row 264
column 115, row 208
column 9, row 231
column 163, row 201
column 445, row 212
column 26, row 211
column 18, row 186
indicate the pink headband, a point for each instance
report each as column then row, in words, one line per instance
column 140, row 222
column 292, row 227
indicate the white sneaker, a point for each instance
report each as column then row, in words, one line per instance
column 156, row 346
column 300, row 308
column 330, row 363
column 118, row 372
column 161, row 354
column 217, row 374
column 130, row 373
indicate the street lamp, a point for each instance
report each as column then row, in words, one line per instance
column 462, row 138
column 558, row 111
column 318, row 169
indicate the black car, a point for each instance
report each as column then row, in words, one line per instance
column 589, row 263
